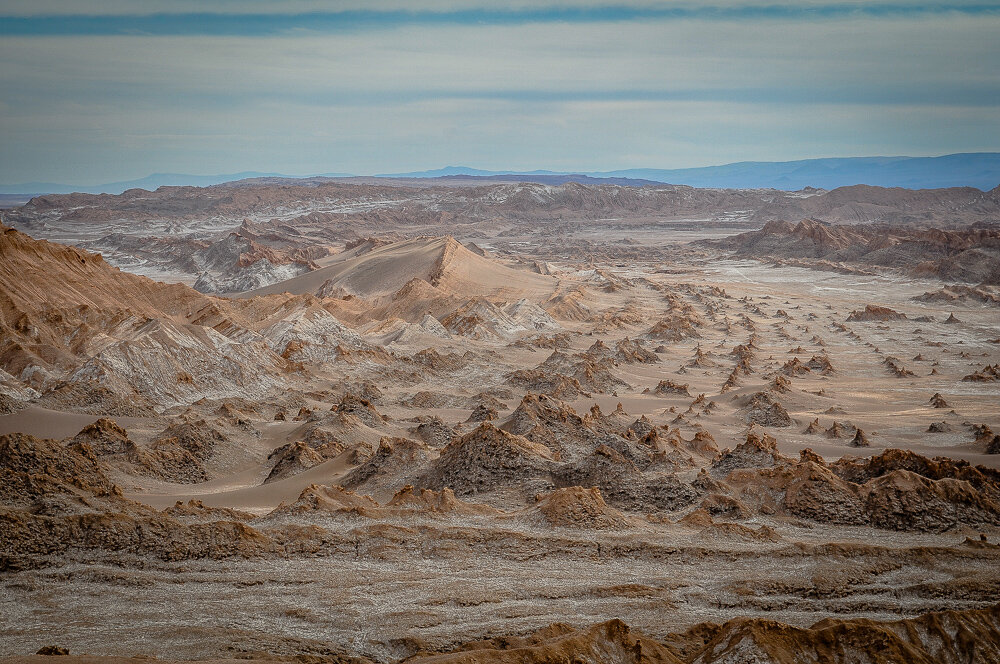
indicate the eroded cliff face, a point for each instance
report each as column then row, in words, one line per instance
column 969, row 255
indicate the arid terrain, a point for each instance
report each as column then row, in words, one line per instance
column 459, row 420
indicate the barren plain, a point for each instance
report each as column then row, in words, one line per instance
column 381, row 421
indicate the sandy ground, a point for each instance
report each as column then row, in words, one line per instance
column 894, row 412
column 46, row 423
column 441, row 582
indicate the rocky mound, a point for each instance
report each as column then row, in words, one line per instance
column 428, row 502
column 612, row 641
column 873, row 312
column 393, row 465
column 593, row 375
column 308, row 333
column 758, row 451
column 967, row 255
column 576, row 507
column 841, row 430
column 487, row 459
column 480, row 318
column 553, row 423
column 902, row 500
column 701, row 359
column 178, row 454
column 629, row 351
column 729, row 532
column 483, row 413
column 860, row 439
column 360, row 408
column 56, row 499
column 946, row 637
column 896, row 490
column 763, row 409
column 44, row 475
column 813, row 491
column 335, row 499
column 988, row 374
column 623, row 484
column 104, row 437
column 961, row 293
column 405, row 503
column 544, row 382
column 981, row 478
column 530, row 316
column 674, row 327
column 896, row 368
column 665, row 387
column 817, row 364
column 292, row 459
column 195, row 511
column 433, row 431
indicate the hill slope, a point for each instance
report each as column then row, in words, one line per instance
column 442, row 262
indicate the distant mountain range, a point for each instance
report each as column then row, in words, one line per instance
column 978, row 169
column 150, row 182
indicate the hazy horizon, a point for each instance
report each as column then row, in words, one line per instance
column 463, row 166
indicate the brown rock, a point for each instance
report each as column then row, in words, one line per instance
column 874, row 312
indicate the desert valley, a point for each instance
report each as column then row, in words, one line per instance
column 471, row 420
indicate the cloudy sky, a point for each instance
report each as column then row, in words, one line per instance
column 102, row 90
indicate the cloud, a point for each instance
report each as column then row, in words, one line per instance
column 542, row 94
column 254, row 19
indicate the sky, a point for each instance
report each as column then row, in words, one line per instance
column 98, row 91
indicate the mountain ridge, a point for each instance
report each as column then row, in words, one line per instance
column 975, row 169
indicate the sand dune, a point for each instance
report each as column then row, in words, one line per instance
column 442, row 262
column 46, row 423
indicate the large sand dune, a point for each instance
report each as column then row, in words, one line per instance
column 443, row 262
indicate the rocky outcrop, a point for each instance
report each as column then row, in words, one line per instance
column 962, row 255
column 758, row 451
column 896, row 490
column 938, row 401
column 623, row 485
column 45, row 476
column 612, row 641
column 666, row 387
column 988, row 374
column 874, row 312
column 487, row 459
column 428, row 502
column 576, row 507
column 393, row 465
column 292, row 459
column 946, row 637
column 360, row 408
column 763, row 409
column 56, row 499
column 104, row 437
